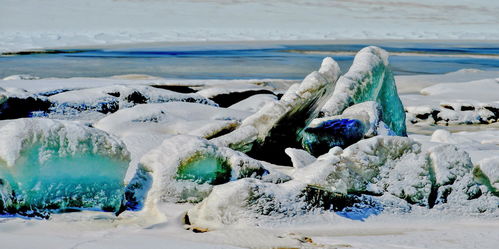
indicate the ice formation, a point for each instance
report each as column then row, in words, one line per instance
column 276, row 126
column 356, row 161
column 454, row 113
column 364, row 103
column 383, row 172
column 50, row 165
column 373, row 165
column 184, row 168
column 473, row 102
column 369, row 79
column 18, row 103
column 109, row 99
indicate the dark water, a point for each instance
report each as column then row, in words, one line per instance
column 243, row 61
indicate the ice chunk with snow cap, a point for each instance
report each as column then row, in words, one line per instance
column 369, row 79
column 375, row 165
column 184, row 168
column 109, row 99
column 48, row 165
column 252, row 201
column 18, row 103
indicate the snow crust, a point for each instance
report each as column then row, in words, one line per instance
column 254, row 103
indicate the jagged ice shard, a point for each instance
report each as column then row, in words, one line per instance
column 266, row 134
column 51, row 165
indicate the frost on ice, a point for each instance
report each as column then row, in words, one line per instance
column 50, row 165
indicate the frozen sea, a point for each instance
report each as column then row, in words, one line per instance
column 246, row 60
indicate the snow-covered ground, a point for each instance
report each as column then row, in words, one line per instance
column 35, row 24
column 90, row 230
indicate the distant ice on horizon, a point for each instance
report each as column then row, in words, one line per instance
column 33, row 24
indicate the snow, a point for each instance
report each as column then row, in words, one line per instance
column 387, row 167
column 410, row 84
column 489, row 168
column 32, row 24
column 144, row 127
column 299, row 158
column 449, row 163
column 56, row 84
column 211, row 92
column 254, row 103
column 21, row 77
column 479, row 144
column 172, row 118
